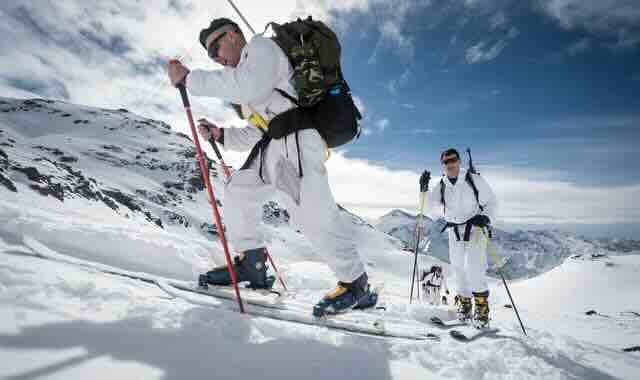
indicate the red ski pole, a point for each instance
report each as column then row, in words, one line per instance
column 212, row 198
column 212, row 141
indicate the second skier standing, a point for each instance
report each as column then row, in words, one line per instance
column 468, row 204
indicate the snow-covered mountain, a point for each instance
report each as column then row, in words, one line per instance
column 112, row 188
column 129, row 190
column 525, row 253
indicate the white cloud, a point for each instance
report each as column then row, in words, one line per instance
column 328, row 10
column 366, row 131
column 480, row 52
column 408, row 106
column 498, row 20
column 620, row 18
column 396, row 84
column 382, row 124
column 484, row 51
column 390, row 18
column 113, row 54
column 525, row 197
column 579, row 46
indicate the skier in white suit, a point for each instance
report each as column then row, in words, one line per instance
column 254, row 76
column 468, row 205
column 434, row 283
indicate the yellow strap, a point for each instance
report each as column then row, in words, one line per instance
column 258, row 121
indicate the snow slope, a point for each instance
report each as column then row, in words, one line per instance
column 124, row 191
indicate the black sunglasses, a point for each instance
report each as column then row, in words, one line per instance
column 450, row 160
column 214, row 46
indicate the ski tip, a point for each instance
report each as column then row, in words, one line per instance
column 458, row 335
column 477, row 333
column 436, row 320
column 431, row 336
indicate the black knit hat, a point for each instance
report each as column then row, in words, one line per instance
column 449, row 152
column 215, row 25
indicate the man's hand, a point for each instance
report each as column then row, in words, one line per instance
column 424, row 181
column 480, row 221
column 177, row 72
column 208, row 130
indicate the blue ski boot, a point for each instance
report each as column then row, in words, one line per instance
column 347, row 296
column 250, row 266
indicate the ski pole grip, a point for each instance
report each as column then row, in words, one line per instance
column 183, row 90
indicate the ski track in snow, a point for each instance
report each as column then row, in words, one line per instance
column 65, row 321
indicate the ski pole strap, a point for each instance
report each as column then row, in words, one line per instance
column 183, row 95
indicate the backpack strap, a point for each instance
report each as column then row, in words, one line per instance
column 469, row 180
column 287, row 96
column 444, row 209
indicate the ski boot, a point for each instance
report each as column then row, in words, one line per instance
column 249, row 266
column 346, row 296
column 481, row 312
column 464, row 309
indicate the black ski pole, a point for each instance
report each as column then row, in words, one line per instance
column 492, row 249
column 424, row 187
column 216, row 150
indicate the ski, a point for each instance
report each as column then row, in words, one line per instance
column 357, row 323
column 266, row 298
column 471, row 333
column 448, row 324
column 369, row 322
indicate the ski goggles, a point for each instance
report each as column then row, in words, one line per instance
column 212, row 50
column 451, row 160
column 214, row 45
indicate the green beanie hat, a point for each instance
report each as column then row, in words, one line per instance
column 215, row 25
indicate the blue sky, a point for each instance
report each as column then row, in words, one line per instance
column 545, row 92
column 548, row 97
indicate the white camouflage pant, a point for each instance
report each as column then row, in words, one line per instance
column 469, row 261
column 310, row 203
column 431, row 294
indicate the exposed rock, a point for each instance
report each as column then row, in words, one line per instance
column 112, row 148
column 123, row 199
column 7, row 183
column 68, row 159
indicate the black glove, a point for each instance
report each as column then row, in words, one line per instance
column 424, row 181
column 480, row 221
